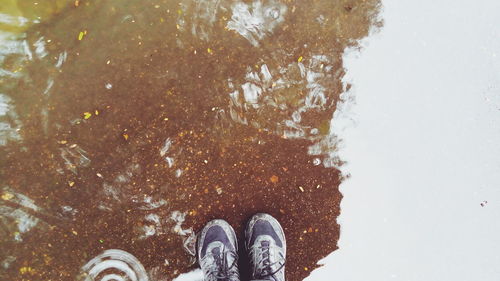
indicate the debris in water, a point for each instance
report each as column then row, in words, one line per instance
column 26, row 269
column 274, row 179
column 301, row 189
column 81, row 34
column 7, row 196
column 316, row 161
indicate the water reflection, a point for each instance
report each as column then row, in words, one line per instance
column 129, row 125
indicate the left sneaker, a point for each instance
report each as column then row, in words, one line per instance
column 218, row 252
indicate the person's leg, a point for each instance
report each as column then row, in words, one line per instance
column 218, row 252
column 266, row 247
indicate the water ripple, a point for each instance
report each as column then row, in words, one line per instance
column 114, row 264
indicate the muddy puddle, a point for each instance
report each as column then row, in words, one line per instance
column 129, row 124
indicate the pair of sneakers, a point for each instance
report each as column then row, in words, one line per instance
column 264, row 241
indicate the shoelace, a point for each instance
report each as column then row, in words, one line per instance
column 221, row 270
column 265, row 264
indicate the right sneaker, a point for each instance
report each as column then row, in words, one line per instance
column 218, row 252
column 266, row 247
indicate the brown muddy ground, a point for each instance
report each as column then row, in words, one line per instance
column 133, row 123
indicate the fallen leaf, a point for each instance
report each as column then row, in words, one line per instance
column 26, row 269
column 87, row 115
column 7, row 196
column 274, row 179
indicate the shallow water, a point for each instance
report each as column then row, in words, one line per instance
column 128, row 125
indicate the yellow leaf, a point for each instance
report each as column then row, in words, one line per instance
column 71, row 183
column 210, row 51
column 80, row 36
column 274, row 179
column 26, row 269
column 96, row 112
column 125, row 136
column 87, row 115
column 7, row 196
column 300, row 59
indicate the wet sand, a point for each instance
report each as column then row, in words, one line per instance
column 140, row 122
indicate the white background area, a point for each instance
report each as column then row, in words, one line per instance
column 424, row 149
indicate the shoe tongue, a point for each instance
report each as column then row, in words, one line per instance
column 266, row 253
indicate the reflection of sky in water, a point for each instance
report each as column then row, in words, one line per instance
column 129, row 125
column 9, row 122
column 427, row 90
